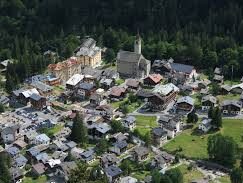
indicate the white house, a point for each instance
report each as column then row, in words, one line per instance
column 205, row 125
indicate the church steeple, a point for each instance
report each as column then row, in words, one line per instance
column 138, row 44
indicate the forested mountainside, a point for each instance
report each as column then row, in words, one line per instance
column 191, row 31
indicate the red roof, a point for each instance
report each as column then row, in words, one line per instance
column 155, row 77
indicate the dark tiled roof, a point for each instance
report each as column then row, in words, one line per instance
column 159, row 132
column 120, row 144
column 86, row 86
column 182, row 68
column 113, row 171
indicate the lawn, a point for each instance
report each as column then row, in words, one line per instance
column 190, row 175
column 145, row 123
column 51, row 131
column 119, row 81
column 234, row 82
column 140, row 175
column 193, row 145
column 225, row 179
column 131, row 107
column 228, row 97
column 41, row 179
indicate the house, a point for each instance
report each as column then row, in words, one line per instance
column 106, row 83
column 85, row 90
column 107, row 160
column 95, row 99
column 162, row 67
column 4, row 100
column 129, row 122
column 128, row 179
column 218, row 79
column 158, row 162
column 88, row 54
column 13, row 151
column 167, row 157
column 118, row 137
column 32, row 153
column 176, row 78
column 162, row 96
column 205, row 125
column 140, row 153
column 91, row 75
column 119, row 147
column 9, row 134
column 65, row 69
column 117, row 92
column 42, row 88
column 132, row 84
column 106, row 111
column 217, row 71
column 133, row 64
column 20, row 161
column 42, row 139
column 225, row 89
column 74, row 81
column 185, row 103
column 24, row 97
column 65, row 169
column 16, row 174
column 37, row 101
column 208, row 101
column 204, row 91
column 237, row 89
column 113, row 173
column 187, row 70
column 98, row 130
column 110, row 73
column 203, row 84
column 159, row 136
column 4, row 64
column 152, row 79
column 88, row 156
column 170, row 124
column 38, row 169
column 20, row 143
column 144, row 94
column 231, row 107
column 29, row 136
column 43, row 158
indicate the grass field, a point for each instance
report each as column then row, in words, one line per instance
column 193, row 145
column 131, row 107
column 234, row 82
column 51, row 131
column 145, row 123
column 190, row 175
column 41, row 179
column 221, row 98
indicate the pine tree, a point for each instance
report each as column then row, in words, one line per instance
column 211, row 113
column 79, row 132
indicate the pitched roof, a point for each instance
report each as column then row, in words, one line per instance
column 232, row 102
column 165, row 89
column 159, row 132
column 28, row 93
column 120, row 144
column 86, row 86
column 4, row 100
column 117, row 91
column 218, row 77
column 186, row 99
column 75, row 79
column 113, row 171
column 141, row 151
column 36, row 97
column 217, row 71
column 182, row 68
column 132, row 82
column 155, row 77
column 41, row 86
column 127, row 56
column 209, row 98
column 39, row 168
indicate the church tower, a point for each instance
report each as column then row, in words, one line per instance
column 138, row 44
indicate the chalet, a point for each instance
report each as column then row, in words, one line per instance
column 9, row 134
column 88, row 156
column 113, row 173
column 42, row 139
column 20, row 161
column 208, row 101
column 42, row 88
column 91, row 75
column 95, row 99
column 144, row 94
column 74, row 81
column 65, row 169
column 37, row 101
column 98, row 130
column 185, row 104
column 162, row 96
column 225, row 89
column 237, row 89
column 140, row 153
column 218, row 79
column 187, row 70
column 205, row 125
column 38, row 169
column 13, row 151
column 152, row 79
column 176, row 78
column 132, row 84
column 16, row 174
column 106, row 83
column 217, row 71
column 117, row 137
column 170, row 124
column 162, row 66
column 129, row 123
column 159, row 136
column 110, row 73
column 107, row 160
column 117, row 92
column 119, row 147
column 158, row 162
column 25, row 95
column 204, row 91
column 85, row 90
column 53, row 80
column 231, row 107
column 106, row 111
column 167, row 157
column 204, row 84
column 4, row 100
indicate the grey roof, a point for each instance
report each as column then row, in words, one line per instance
column 128, row 56
column 20, row 160
column 86, row 86
column 36, row 97
column 186, row 99
column 10, row 129
column 141, row 151
column 111, row 158
column 4, row 100
column 67, row 167
column 106, row 81
column 92, row 72
column 88, row 153
column 182, row 68
column 102, row 127
column 206, row 122
column 13, row 151
column 110, row 73
column 218, row 77
column 95, row 96
column 17, row 92
column 232, row 102
column 130, row 119
column 113, row 171
column 34, row 151
column 160, row 159
column 209, row 98
column 41, row 86
column 159, row 132
column 88, row 48
column 71, row 144
column 43, row 157
column 217, row 71
column 120, row 144
column 226, row 87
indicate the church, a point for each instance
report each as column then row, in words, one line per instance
column 133, row 64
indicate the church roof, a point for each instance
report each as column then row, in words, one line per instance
column 128, row 56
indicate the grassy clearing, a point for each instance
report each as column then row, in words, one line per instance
column 225, row 179
column 51, row 131
column 145, row 123
column 221, row 98
column 234, row 82
column 131, row 107
column 41, row 179
column 193, row 145
column 119, row 81
column 190, row 175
